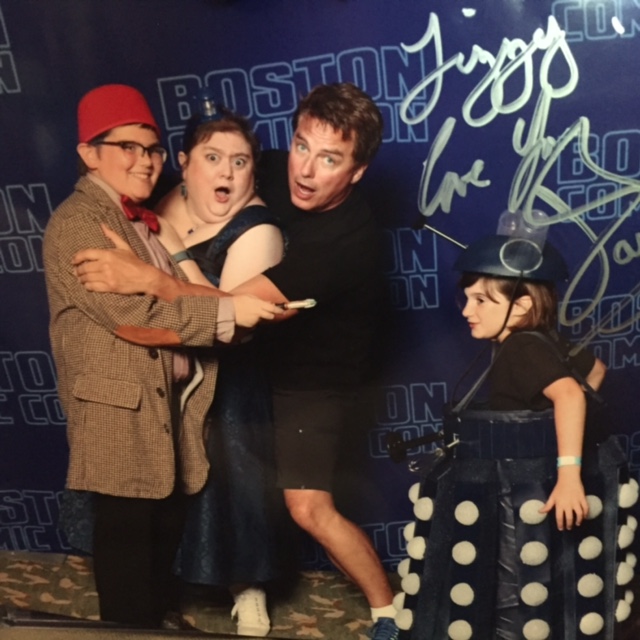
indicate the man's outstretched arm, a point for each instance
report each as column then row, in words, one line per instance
column 119, row 270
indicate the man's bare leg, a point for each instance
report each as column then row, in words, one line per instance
column 345, row 543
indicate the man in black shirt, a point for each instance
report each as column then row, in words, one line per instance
column 332, row 257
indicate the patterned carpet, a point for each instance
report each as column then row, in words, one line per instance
column 321, row 604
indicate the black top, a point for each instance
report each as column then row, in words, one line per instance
column 525, row 365
column 333, row 257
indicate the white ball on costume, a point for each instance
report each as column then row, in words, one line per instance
column 417, row 548
column 409, row 531
column 411, row 584
column 464, row 552
column 414, row 492
column 403, row 567
column 590, row 585
column 632, row 523
column 625, row 536
column 623, row 611
column 590, row 548
column 536, row 630
column 591, row 623
column 631, row 560
column 534, row 594
column 530, row 512
column 595, row 507
column 628, row 494
column 467, row 513
column 460, row 630
column 629, row 596
column 398, row 601
column 462, row 594
column 624, row 574
column 534, row 553
column 423, row 509
column 404, row 619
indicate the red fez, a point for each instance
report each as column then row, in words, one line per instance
column 109, row 106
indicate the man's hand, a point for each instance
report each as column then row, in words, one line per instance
column 250, row 310
column 116, row 270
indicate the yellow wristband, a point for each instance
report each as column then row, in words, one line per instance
column 564, row 461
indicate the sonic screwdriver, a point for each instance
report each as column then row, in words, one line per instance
column 297, row 304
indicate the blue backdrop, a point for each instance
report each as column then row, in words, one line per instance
column 488, row 104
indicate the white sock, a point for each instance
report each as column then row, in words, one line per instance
column 383, row 612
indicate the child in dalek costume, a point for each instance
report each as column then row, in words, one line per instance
column 523, row 528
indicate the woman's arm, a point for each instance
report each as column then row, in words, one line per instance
column 569, row 407
column 119, row 270
column 253, row 252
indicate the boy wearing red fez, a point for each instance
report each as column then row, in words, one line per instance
column 135, row 414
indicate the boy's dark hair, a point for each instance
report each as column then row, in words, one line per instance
column 543, row 314
column 347, row 109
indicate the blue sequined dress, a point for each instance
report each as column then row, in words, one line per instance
column 231, row 531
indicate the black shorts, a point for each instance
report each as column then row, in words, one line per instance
column 309, row 426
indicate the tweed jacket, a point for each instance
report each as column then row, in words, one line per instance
column 117, row 395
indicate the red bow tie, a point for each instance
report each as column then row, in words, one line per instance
column 134, row 211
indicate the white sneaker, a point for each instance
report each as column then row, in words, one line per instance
column 251, row 610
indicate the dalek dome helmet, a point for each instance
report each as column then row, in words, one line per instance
column 513, row 257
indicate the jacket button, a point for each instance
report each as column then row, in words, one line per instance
column 153, row 353
column 160, row 392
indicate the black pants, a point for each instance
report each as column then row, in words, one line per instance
column 135, row 542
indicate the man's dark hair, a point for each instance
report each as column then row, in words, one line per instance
column 347, row 109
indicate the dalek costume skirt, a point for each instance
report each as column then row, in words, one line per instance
column 483, row 561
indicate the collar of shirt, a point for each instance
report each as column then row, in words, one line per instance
column 129, row 208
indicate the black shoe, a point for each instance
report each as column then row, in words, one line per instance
column 175, row 621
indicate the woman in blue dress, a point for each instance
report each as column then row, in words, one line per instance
column 222, row 234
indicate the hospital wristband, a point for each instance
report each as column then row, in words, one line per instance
column 182, row 255
column 564, row 461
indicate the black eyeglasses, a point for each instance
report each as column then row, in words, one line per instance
column 155, row 151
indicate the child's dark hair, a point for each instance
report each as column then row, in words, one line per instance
column 543, row 313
